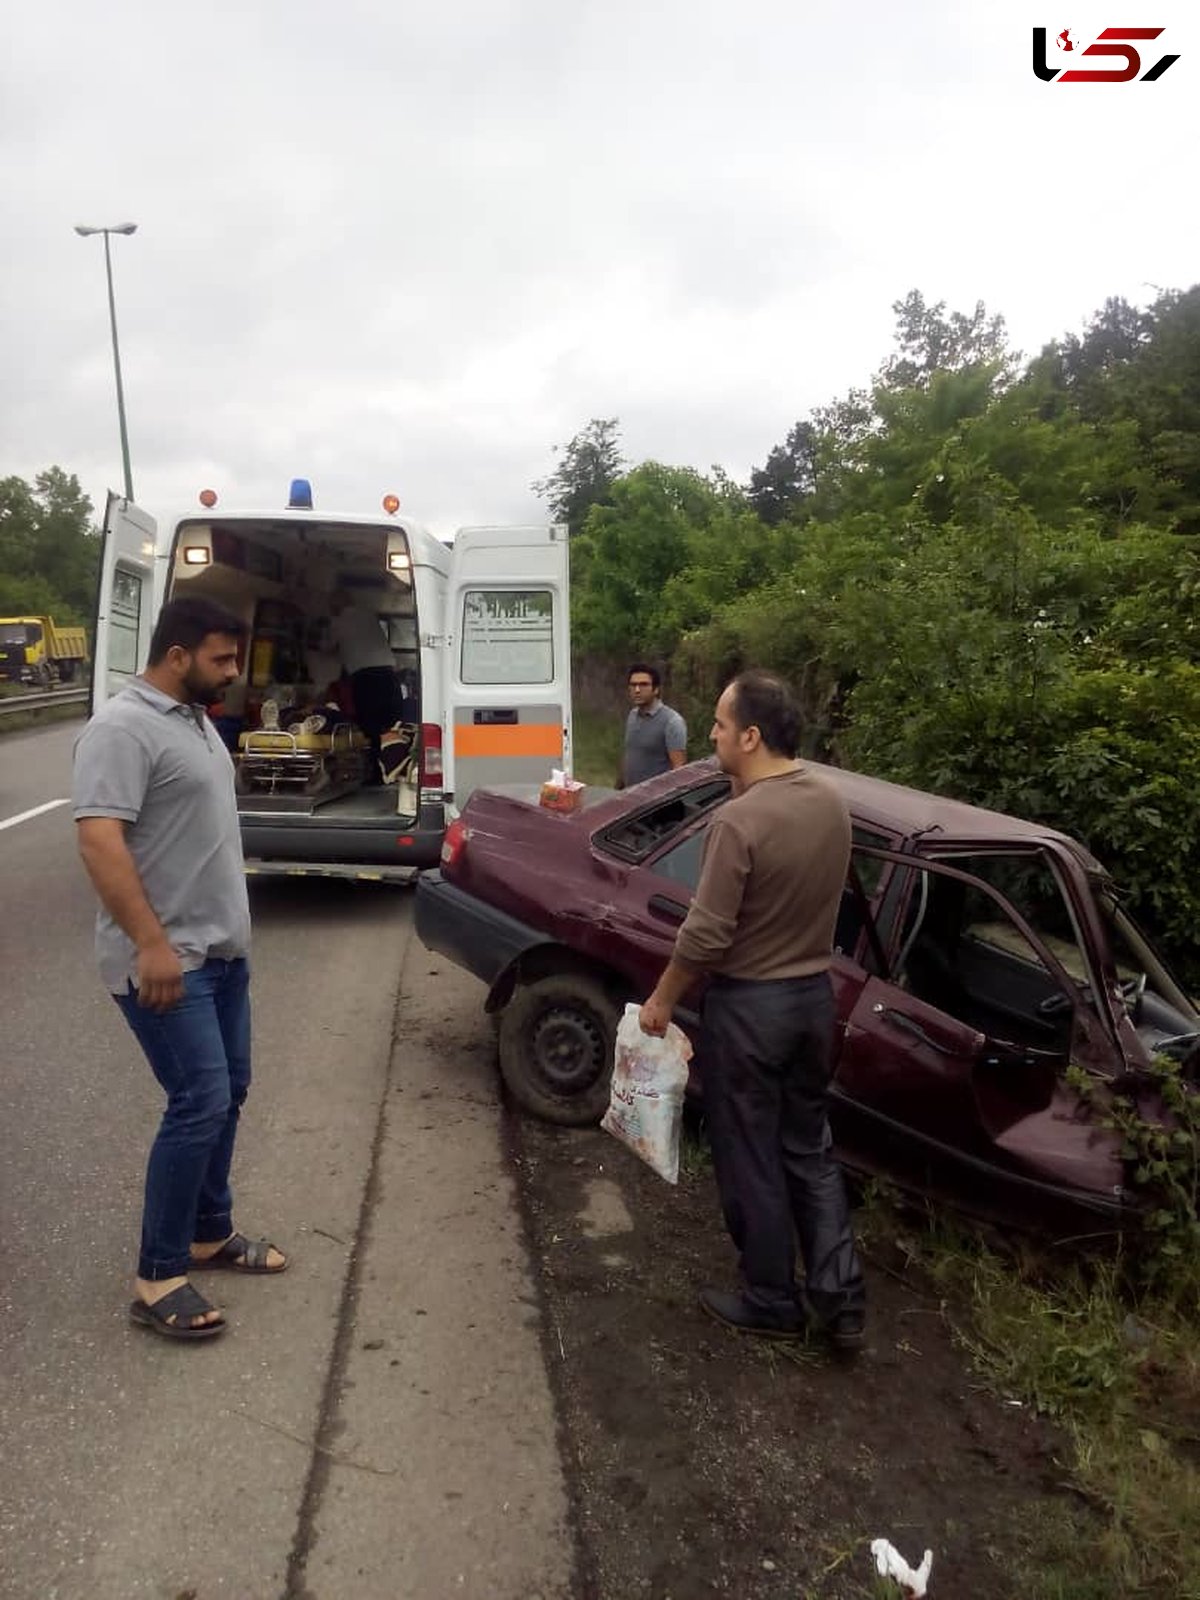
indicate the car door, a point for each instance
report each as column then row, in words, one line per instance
column 654, row 853
column 128, row 595
column 508, row 667
column 952, row 1067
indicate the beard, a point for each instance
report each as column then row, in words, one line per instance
column 200, row 692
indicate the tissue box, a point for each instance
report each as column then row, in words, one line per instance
column 557, row 797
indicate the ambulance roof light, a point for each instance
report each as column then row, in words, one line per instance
column 391, row 504
column 300, row 495
column 208, row 498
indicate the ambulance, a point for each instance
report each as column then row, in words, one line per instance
column 478, row 630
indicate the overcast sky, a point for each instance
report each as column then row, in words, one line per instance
column 412, row 247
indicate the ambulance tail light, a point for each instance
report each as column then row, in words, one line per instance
column 431, row 755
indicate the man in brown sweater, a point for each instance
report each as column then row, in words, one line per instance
column 761, row 929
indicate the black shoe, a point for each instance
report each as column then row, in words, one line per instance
column 846, row 1330
column 844, row 1327
column 737, row 1313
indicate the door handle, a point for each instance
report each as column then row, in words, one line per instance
column 907, row 1025
column 663, row 906
column 490, row 718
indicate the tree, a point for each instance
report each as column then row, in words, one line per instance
column 931, row 342
column 671, row 548
column 1135, row 376
column 589, row 466
column 789, row 478
column 48, row 548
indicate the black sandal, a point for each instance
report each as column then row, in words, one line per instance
column 172, row 1315
column 239, row 1254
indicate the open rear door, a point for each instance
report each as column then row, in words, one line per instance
column 127, row 598
column 508, row 676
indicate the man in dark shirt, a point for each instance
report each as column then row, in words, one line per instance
column 761, row 928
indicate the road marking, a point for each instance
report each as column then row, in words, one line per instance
column 24, row 816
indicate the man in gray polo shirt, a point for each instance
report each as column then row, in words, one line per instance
column 158, row 832
column 655, row 736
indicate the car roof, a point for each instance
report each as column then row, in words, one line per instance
column 939, row 823
column 894, row 808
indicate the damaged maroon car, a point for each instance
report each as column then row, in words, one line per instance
column 977, row 957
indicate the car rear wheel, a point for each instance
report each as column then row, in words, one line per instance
column 557, row 1038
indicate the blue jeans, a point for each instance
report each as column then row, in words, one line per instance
column 199, row 1051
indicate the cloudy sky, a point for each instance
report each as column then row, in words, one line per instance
column 412, row 247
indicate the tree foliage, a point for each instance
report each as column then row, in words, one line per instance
column 588, row 467
column 48, row 547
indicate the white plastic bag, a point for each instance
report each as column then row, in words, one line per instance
column 645, row 1105
column 889, row 1563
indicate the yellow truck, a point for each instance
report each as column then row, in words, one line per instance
column 35, row 650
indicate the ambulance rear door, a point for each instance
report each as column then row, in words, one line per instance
column 508, row 662
column 128, row 597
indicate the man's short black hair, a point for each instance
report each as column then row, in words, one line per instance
column 651, row 672
column 764, row 701
column 187, row 622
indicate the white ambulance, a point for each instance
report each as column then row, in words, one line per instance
column 480, row 640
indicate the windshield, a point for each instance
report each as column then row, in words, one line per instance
column 1133, row 955
column 15, row 633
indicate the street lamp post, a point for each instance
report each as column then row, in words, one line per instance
column 85, row 232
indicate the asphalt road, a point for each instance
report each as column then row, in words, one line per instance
column 377, row 1423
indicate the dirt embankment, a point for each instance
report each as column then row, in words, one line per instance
column 708, row 1463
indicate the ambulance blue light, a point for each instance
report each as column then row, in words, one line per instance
column 300, row 495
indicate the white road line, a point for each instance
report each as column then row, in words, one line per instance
column 24, row 816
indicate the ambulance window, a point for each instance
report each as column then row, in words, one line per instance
column 125, row 616
column 508, row 636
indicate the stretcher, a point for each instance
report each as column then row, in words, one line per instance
column 276, row 762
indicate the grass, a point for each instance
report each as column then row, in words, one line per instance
column 598, row 744
column 1116, row 1373
column 695, row 1156
column 22, row 721
column 1120, row 1377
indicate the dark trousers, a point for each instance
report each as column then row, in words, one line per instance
column 377, row 705
column 765, row 1053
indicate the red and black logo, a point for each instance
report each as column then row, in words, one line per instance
column 1119, row 42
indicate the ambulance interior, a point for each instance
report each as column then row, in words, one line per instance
column 290, row 719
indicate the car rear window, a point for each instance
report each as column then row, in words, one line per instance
column 635, row 836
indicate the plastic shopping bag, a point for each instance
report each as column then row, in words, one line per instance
column 646, row 1102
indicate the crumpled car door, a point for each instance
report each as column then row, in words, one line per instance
column 929, row 1088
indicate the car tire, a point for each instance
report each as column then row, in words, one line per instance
column 557, row 1039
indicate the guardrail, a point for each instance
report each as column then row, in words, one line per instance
column 12, row 703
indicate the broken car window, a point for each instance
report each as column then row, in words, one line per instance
column 633, row 838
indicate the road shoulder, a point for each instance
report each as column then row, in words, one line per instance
column 440, row 1472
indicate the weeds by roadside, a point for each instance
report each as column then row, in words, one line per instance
column 1104, row 1348
column 22, row 721
column 1120, row 1377
column 695, row 1157
column 598, row 745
